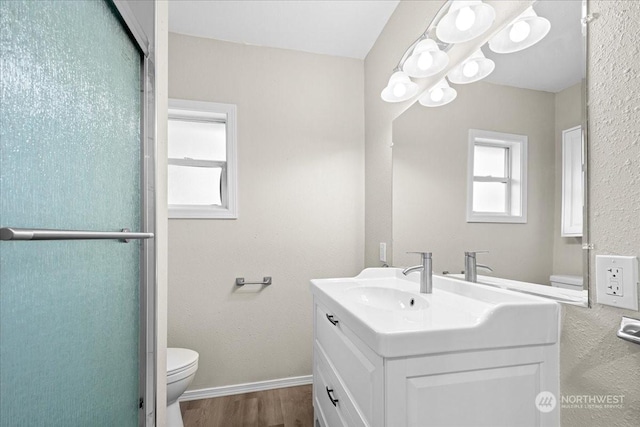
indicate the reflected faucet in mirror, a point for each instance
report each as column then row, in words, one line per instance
column 471, row 266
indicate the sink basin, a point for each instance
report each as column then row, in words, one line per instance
column 457, row 316
column 385, row 298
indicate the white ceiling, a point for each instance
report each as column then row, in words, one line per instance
column 350, row 28
column 332, row 27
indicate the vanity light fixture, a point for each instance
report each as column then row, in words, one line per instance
column 456, row 22
column 465, row 20
column 525, row 31
column 474, row 68
column 400, row 88
column 440, row 94
column 426, row 59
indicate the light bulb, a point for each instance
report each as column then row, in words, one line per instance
column 399, row 90
column 425, row 61
column 519, row 31
column 470, row 69
column 437, row 94
column 465, row 19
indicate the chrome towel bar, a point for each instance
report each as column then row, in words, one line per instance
column 265, row 281
column 12, row 233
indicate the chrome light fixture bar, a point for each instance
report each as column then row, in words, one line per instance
column 456, row 22
column 400, row 87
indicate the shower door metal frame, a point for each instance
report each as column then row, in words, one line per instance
column 148, row 299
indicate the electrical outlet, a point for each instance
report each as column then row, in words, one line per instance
column 614, row 281
column 617, row 281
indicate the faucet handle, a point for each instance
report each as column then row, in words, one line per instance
column 474, row 253
column 424, row 254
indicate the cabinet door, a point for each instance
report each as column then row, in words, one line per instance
column 572, row 182
column 490, row 388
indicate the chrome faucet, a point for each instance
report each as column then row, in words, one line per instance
column 426, row 272
column 471, row 267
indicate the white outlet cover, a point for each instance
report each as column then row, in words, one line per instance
column 383, row 252
column 629, row 266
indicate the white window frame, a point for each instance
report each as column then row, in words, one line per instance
column 210, row 111
column 516, row 180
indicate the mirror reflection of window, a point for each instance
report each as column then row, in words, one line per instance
column 491, row 180
column 497, row 188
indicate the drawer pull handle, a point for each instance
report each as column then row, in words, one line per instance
column 332, row 320
column 334, row 401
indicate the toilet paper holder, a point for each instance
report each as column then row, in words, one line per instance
column 265, row 281
column 629, row 330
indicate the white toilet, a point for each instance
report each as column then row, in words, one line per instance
column 182, row 365
column 566, row 281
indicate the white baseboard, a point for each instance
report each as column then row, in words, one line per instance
column 228, row 390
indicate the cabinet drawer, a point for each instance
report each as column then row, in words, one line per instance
column 359, row 368
column 327, row 390
column 328, row 415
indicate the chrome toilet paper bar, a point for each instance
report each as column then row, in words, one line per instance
column 629, row 330
column 265, row 281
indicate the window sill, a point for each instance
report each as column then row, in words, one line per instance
column 507, row 219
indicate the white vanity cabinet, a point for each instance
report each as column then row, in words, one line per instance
column 359, row 379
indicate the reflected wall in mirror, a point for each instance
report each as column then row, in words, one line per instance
column 537, row 93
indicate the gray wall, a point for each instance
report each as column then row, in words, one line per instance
column 301, row 207
column 593, row 360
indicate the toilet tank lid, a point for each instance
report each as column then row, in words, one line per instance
column 178, row 358
column 568, row 279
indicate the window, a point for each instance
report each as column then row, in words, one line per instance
column 202, row 160
column 497, row 177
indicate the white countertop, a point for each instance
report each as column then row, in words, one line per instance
column 457, row 316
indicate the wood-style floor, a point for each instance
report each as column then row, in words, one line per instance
column 283, row 407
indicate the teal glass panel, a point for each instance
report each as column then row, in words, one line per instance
column 69, row 159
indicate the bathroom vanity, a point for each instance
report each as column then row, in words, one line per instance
column 467, row 354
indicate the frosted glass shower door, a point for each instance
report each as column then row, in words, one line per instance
column 70, row 158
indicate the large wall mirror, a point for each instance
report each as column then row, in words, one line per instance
column 440, row 154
